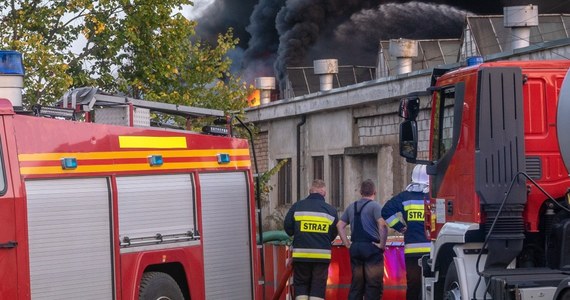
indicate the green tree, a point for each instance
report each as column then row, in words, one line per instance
column 142, row 48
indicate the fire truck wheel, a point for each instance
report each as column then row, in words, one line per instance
column 565, row 295
column 451, row 288
column 159, row 286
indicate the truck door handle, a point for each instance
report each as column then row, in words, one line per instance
column 8, row 245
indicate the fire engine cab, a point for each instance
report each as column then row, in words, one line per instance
column 110, row 208
column 499, row 210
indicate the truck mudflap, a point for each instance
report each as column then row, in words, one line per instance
column 338, row 284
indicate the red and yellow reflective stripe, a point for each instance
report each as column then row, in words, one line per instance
column 117, row 161
column 131, row 154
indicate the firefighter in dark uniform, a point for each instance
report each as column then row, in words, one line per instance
column 312, row 223
column 410, row 203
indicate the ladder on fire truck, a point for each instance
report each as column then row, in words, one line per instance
column 103, row 108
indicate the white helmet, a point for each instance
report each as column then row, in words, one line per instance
column 420, row 180
column 419, row 175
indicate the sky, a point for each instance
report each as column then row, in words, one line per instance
column 193, row 12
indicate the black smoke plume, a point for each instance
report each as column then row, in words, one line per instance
column 276, row 34
column 223, row 14
column 413, row 20
column 262, row 46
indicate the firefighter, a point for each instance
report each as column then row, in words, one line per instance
column 410, row 203
column 312, row 223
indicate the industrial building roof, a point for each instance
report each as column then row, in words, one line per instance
column 482, row 36
column 485, row 35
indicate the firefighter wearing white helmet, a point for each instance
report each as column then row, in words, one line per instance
column 410, row 204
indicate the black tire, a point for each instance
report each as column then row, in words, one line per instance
column 451, row 288
column 565, row 295
column 159, row 286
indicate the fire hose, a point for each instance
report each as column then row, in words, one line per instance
column 283, row 281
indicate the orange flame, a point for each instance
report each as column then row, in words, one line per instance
column 254, row 98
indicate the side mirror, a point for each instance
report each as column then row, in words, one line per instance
column 409, row 108
column 409, row 140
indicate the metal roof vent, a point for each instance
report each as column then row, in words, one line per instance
column 520, row 19
column 265, row 85
column 404, row 50
column 326, row 68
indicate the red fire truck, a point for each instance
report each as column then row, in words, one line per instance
column 499, row 155
column 103, row 211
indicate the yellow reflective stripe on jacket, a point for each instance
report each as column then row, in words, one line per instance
column 393, row 220
column 413, row 204
column 311, row 253
column 417, row 248
column 313, row 217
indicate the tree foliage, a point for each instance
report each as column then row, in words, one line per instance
column 143, row 48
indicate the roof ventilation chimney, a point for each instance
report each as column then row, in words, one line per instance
column 520, row 19
column 404, row 50
column 11, row 77
column 265, row 85
column 326, row 68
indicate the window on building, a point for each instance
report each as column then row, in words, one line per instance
column 336, row 186
column 284, row 183
column 318, row 167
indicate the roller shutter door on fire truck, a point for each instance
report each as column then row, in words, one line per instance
column 225, row 222
column 155, row 204
column 70, row 239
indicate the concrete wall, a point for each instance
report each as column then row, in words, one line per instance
column 360, row 122
column 366, row 134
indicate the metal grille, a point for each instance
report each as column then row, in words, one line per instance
column 485, row 35
column 534, row 167
column 302, row 80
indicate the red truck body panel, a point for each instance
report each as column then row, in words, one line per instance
column 32, row 148
column 540, row 95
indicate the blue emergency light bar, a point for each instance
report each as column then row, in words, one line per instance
column 11, row 63
column 474, row 60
